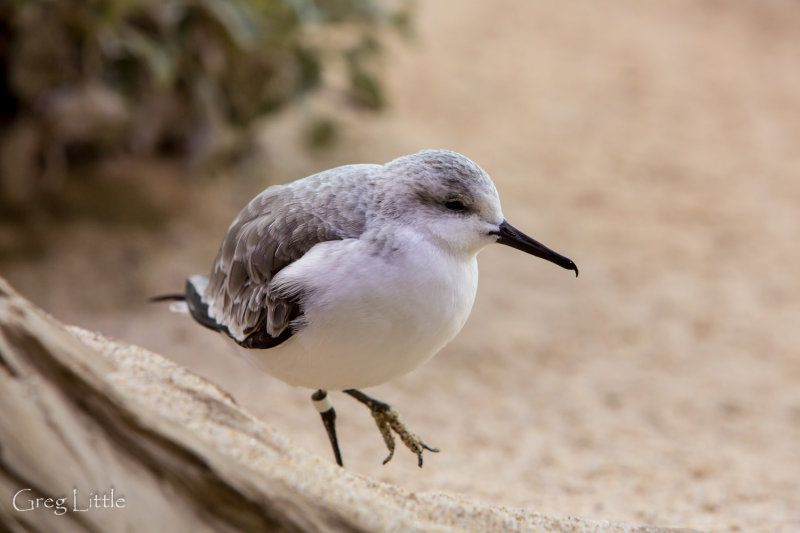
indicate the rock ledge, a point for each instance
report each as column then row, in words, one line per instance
column 83, row 415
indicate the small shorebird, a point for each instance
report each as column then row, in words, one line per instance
column 356, row 275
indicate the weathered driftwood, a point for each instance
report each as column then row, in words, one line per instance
column 99, row 436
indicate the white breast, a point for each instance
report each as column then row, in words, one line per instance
column 372, row 317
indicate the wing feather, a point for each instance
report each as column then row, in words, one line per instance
column 275, row 229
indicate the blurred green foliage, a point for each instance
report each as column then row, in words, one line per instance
column 81, row 79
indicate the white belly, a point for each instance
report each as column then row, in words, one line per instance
column 372, row 320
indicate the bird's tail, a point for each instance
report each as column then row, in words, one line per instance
column 168, row 298
column 191, row 302
column 178, row 304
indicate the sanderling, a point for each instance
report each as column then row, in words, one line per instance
column 356, row 275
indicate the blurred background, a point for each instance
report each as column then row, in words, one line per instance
column 656, row 144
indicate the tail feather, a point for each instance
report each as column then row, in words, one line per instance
column 192, row 302
column 168, row 298
column 197, row 307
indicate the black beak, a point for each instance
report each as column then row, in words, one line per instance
column 511, row 236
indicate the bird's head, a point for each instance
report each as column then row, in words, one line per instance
column 451, row 200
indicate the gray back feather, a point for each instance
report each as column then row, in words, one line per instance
column 275, row 229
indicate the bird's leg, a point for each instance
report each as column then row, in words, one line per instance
column 326, row 411
column 388, row 420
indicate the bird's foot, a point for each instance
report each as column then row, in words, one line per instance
column 388, row 421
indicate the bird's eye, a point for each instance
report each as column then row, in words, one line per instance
column 454, row 205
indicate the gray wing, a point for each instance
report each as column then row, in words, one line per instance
column 275, row 229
